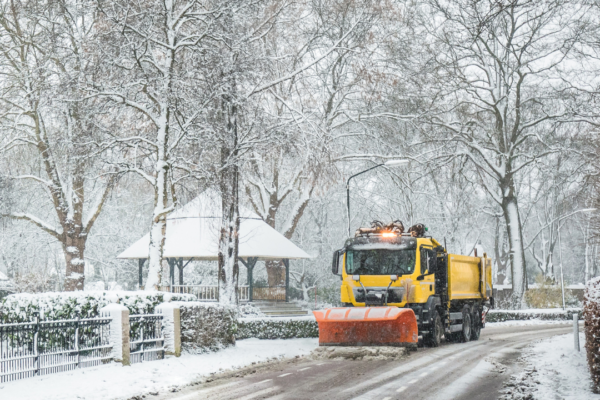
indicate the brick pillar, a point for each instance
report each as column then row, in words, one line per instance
column 119, row 331
column 171, row 327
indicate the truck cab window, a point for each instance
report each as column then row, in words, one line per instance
column 380, row 262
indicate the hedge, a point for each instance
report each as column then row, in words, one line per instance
column 523, row 315
column 23, row 307
column 591, row 314
column 207, row 326
column 277, row 328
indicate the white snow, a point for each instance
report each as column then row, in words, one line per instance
column 556, row 371
column 116, row 382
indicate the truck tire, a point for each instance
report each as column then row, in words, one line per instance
column 467, row 324
column 437, row 330
column 476, row 330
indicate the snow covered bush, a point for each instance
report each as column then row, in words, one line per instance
column 207, row 326
column 551, row 314
column 277, row 328
column 248, row 310
column 591, row 315
column 22, row 307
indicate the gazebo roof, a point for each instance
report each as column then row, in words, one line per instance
column 193, row 232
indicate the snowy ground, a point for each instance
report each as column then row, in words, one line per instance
column 552, row 370
column 116, row 382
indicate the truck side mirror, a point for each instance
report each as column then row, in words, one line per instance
column 335, row 265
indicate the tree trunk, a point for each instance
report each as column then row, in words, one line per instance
column 275, row 273
column 230, row 220
column 516, row 250
column 305, row 290
column 158, row 229
column 73, row 248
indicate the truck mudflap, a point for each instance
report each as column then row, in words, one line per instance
column 367, row 326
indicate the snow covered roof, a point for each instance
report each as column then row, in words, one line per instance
column 193, row 232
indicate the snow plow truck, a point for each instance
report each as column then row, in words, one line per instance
column 398, row 288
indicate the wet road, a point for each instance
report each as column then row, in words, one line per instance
column 474, row 370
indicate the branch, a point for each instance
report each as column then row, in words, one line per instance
column 38, row 222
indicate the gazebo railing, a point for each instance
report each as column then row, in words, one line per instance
column 208, row 292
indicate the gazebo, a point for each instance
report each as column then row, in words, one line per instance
column 193, row 234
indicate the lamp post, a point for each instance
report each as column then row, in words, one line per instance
column 562, row 281
column 391, row 163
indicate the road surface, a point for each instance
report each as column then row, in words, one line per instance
column 473, row 371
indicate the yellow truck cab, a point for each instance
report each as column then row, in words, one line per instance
column 447, row 292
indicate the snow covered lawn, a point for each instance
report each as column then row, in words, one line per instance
column 113, row 381
column 554, row 370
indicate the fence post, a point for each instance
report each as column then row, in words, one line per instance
column 36, row 352
column 119, row 331
column 171, row 326
column 576, row 330
column 77, row 341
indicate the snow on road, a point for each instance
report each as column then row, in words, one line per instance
column 113, row 381
column 553, row 370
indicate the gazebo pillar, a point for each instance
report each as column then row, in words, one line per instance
column 171, row 263
column 181, row 266
column 250, row 263
column 286, row 262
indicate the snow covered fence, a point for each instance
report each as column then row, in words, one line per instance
column 550, row 314
column 591, row 315
column 277, row 328
column 67, row 305
column 43, row 347
column 207, row 326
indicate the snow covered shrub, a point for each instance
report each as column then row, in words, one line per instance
column 67, row 305
column 555, row 314
column 207, row 326
column 248, row 310
column 591, row 315
column 272, row 328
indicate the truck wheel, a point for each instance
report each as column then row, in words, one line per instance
column 476, row 331
column 466, row 324
column 437, row 330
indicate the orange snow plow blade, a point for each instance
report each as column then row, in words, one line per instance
column 367, row 326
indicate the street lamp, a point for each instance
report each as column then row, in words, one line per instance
column 562, row 281
column 390, row 163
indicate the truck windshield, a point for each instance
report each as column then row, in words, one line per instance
column 381, row 262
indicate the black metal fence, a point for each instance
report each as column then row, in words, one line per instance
column 146, row 339
column 46, row 347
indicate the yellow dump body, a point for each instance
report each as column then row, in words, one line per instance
column 466, row 279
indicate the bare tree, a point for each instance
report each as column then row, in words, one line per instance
column 493, row 59
column 152, row 47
